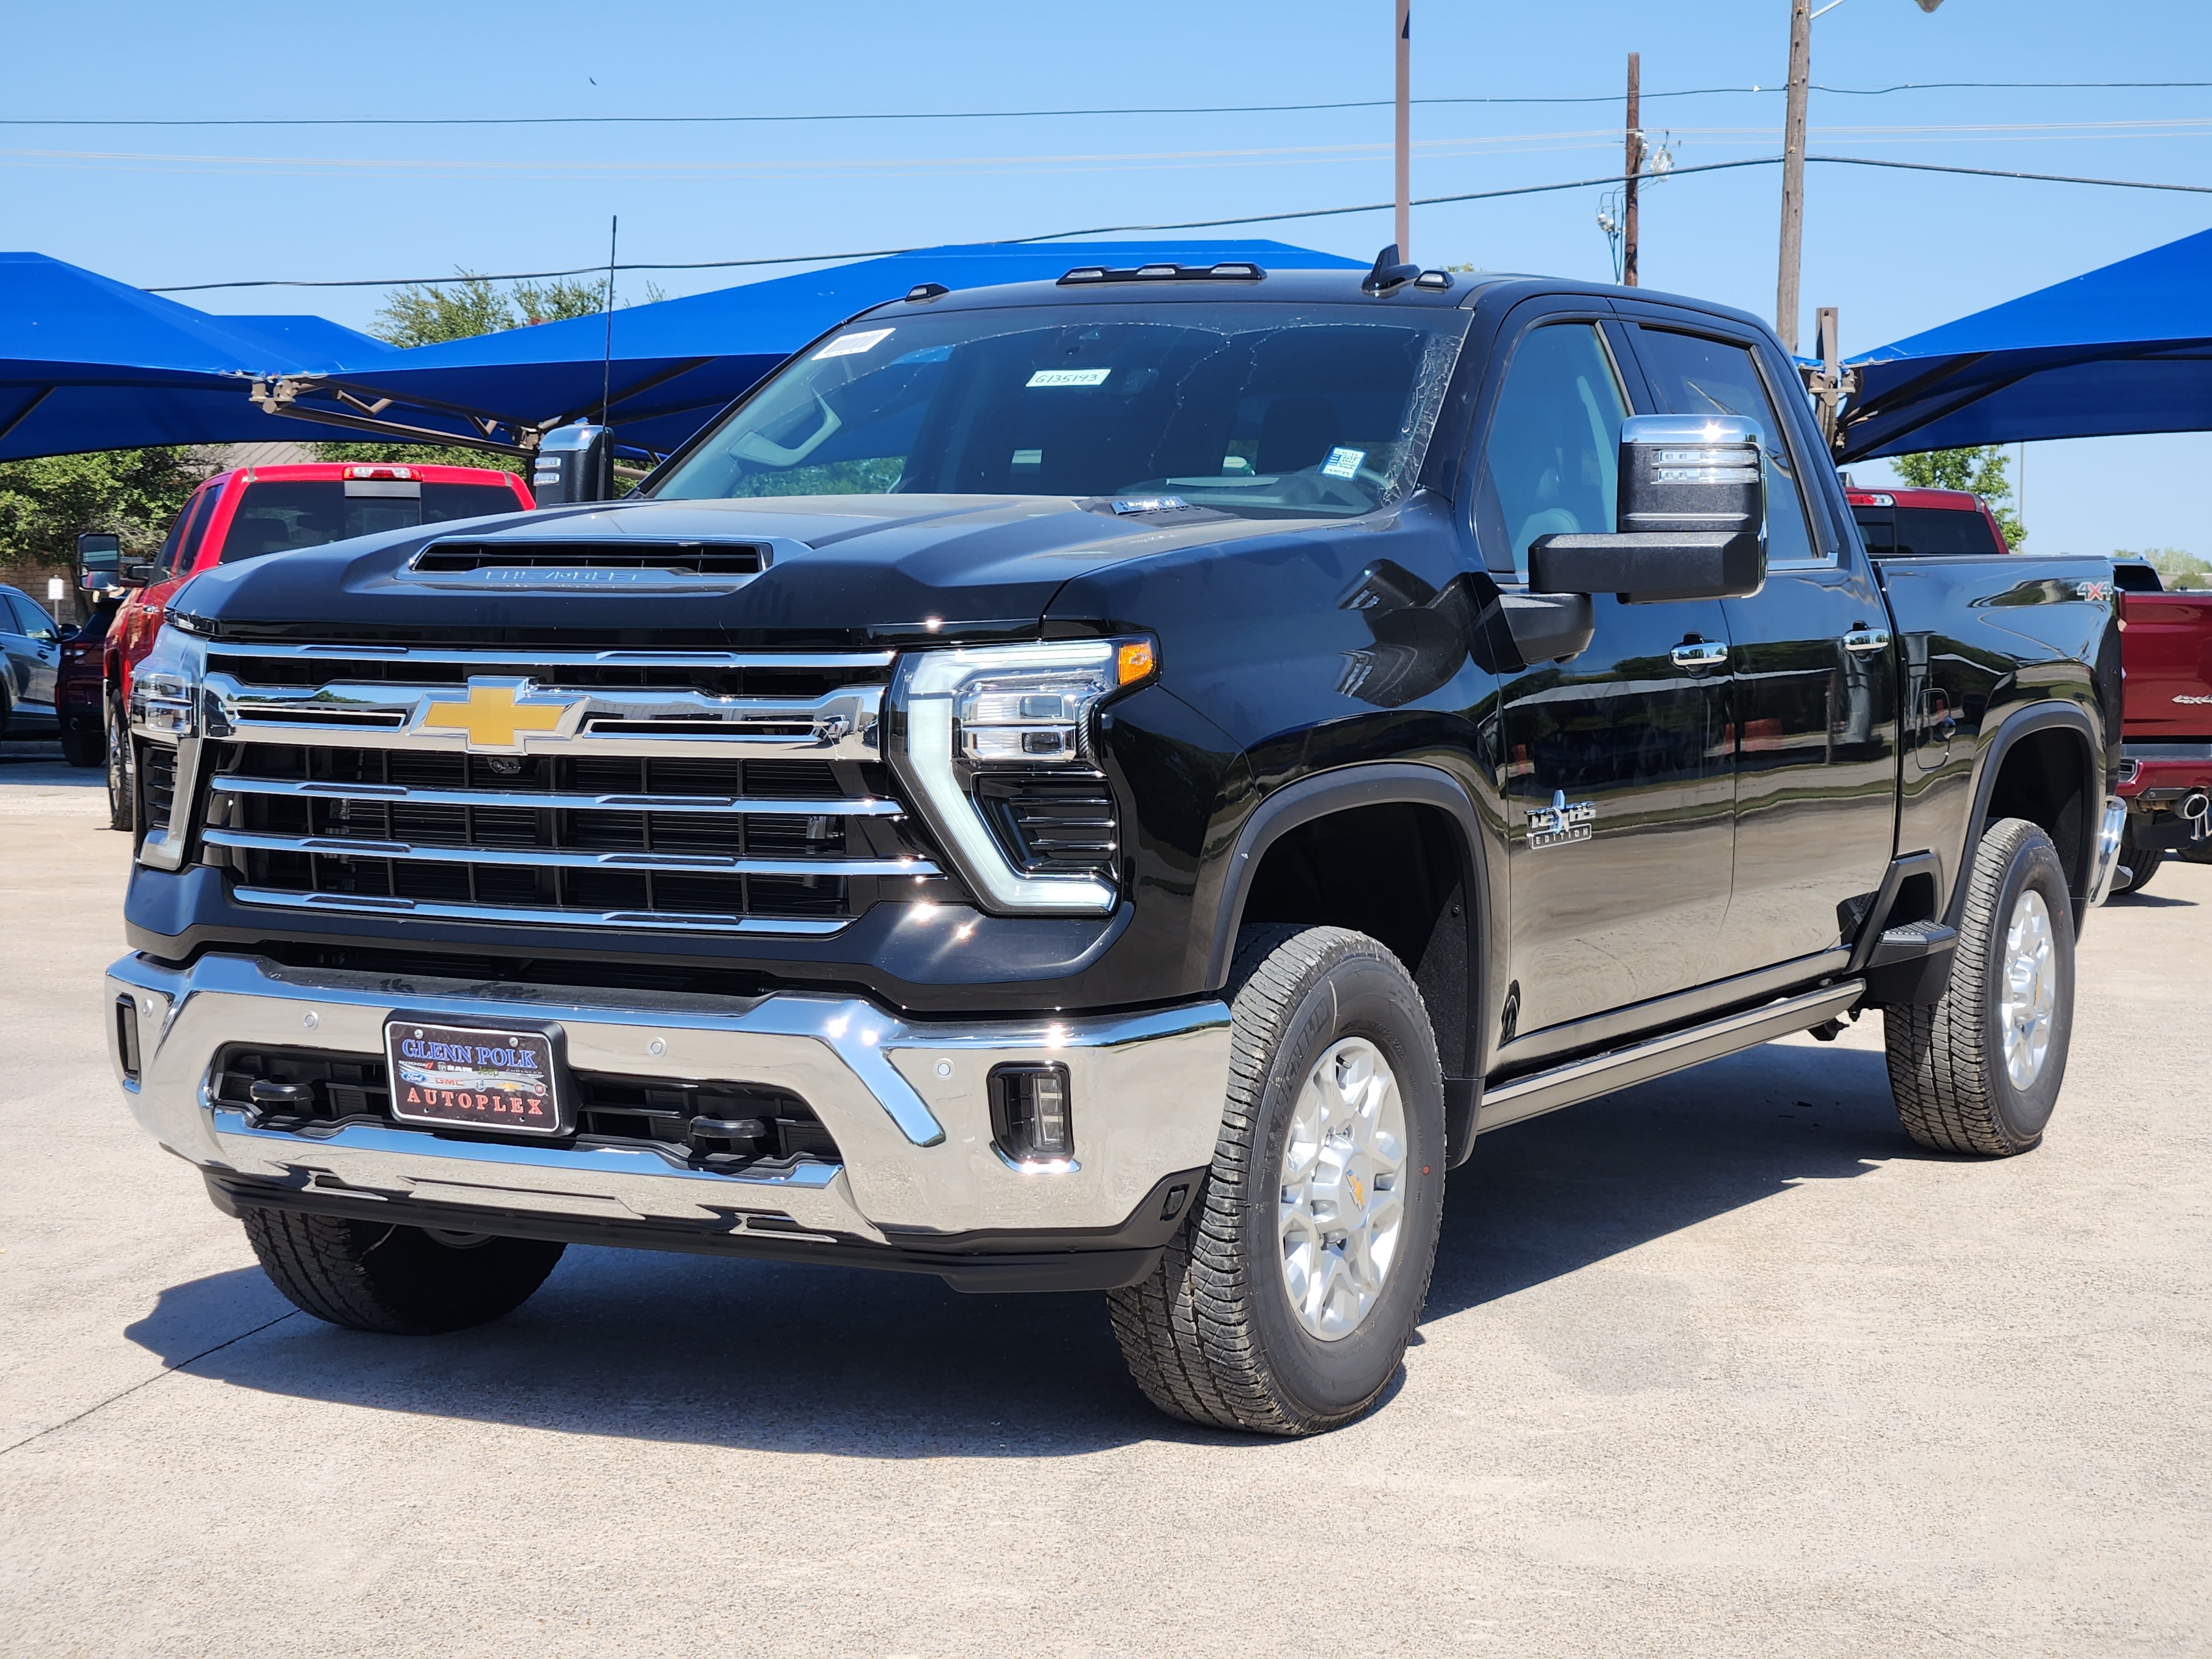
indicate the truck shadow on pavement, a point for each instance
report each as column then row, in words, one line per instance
column 785, row 1358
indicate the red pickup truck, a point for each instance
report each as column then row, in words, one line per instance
column 2165, row 765
column 248, row 512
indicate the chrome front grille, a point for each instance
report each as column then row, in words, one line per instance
column 697, row 791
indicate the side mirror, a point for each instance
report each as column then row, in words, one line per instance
column 133, row 575
column 1692, row 520
column 574, row 463
column 99, row 556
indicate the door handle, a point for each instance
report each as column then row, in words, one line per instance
column 1865, row 641
column 1698, row 655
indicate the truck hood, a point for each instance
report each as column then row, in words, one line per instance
column 841, row 571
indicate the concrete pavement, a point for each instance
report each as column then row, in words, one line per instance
column 1720, row 1365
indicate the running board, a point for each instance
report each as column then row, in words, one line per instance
column 1600, row 1074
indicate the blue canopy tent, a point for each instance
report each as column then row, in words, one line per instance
column 87, row 362
column 2126, row 348
column 676, row 363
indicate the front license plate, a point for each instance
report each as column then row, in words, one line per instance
column 473, row 1076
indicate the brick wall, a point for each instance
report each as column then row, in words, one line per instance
column 32, row 579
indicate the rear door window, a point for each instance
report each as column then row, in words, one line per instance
column 442, row 502
column 1937, row 532
column 1691, row 374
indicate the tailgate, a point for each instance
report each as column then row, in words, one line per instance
column 2167, row 652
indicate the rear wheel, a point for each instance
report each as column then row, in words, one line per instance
column 85, row 749
column 407, row 1281
column 2140, row 861
column 1980, row 1071
column 122, row 781
column 1285, row 1304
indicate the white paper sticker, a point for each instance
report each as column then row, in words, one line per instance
column 851, row 345
column 1343, row 462
column 1070, row 377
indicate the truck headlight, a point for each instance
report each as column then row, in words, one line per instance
column 165, row 688
column 977, row 719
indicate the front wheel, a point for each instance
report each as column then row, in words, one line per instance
column 122, row 781
column 1980, row 1071
column 1285, row 1304
column 408, row 1281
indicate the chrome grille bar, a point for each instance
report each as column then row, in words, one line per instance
column 864, row 806
column 541, row 858
column 675, row 922
column 492, row 659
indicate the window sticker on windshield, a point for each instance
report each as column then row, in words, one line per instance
column 1343, row 462
column 1069, row 377
column 851, row 345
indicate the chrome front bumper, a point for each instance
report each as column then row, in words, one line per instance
column 905, row 1101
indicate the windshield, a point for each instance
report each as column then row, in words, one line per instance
column 277, row 516
column 1260, row 408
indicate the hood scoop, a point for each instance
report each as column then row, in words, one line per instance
column 624, row 566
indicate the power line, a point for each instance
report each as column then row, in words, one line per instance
column 1036, row 114
column 1187, row 224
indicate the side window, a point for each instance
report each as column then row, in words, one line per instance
column 1551, row 463
column 188, row 549
column 1691, row 374
column 33, row 622
column 11, row 619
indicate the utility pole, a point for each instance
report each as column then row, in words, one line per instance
column 1405, row 130
column 1793, row 172
column 1633, row 166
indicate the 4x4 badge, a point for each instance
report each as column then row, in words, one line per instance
column 1548, row 826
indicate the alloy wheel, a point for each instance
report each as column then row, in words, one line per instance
column 1342, row 1208
column 2028, row 995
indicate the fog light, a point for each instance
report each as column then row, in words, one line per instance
column 1030, row 1112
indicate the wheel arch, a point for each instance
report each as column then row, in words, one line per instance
column 1357, row 801
column 2042, row 765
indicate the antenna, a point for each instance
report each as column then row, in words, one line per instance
column 607, row 364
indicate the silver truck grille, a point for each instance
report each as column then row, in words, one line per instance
column 643, row 790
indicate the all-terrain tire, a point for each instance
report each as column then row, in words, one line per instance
column 405, row 1281
column 1948, row 1062
column 122, row 783
column 2142, row 862
column 84, row 749
column 1212, row 1336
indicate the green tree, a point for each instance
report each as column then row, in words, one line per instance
column 1982, row 470
column 45, row 502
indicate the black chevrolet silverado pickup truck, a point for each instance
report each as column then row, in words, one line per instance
column 1106, row 785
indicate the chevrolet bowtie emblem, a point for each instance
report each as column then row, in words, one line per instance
column 499, row 712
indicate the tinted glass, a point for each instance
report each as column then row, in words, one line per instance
column 31, row 618
column 11, row 620
column 1691, row 374
column 2137, row 579
column 1877, row 528
column 1938, row 532
column 442, row 502
column 1551, row 462
column 277, row 515
column 195, row 524
column 1260, row 409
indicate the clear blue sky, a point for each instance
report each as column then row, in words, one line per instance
column 1898, row 253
